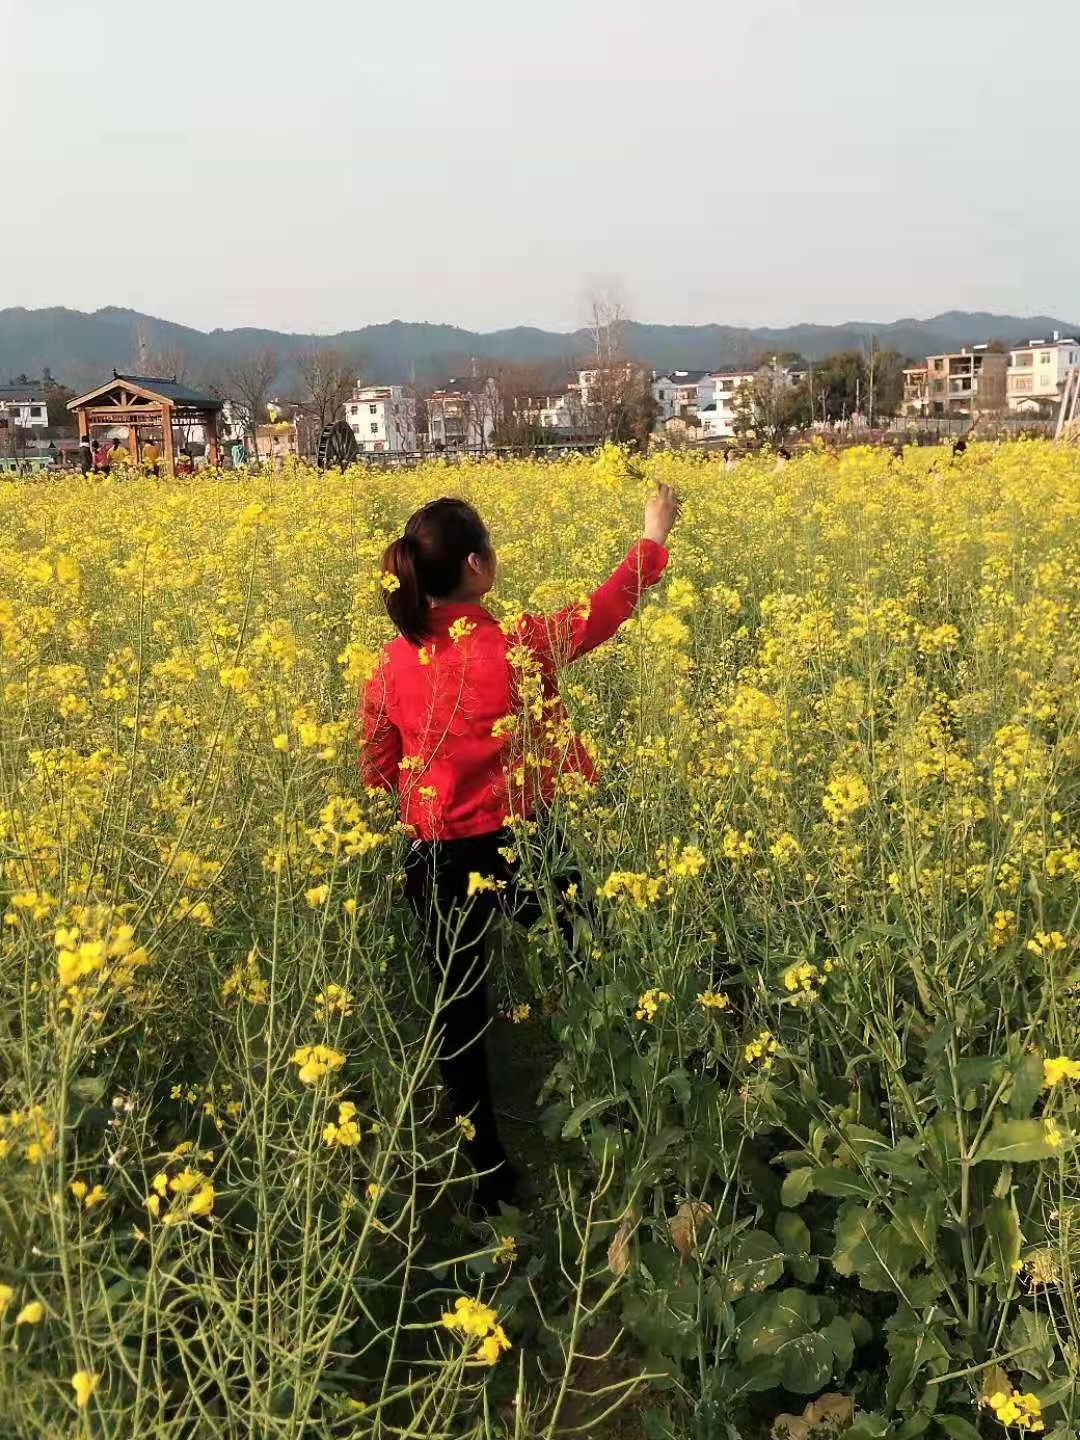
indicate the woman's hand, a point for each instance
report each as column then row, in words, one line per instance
column 661, row 512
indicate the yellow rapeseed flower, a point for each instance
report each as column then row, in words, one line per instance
column 761, row 1050
column 1058, row 1069
column 649, row 1004
column 713, row 1000
column 316, row 1062
column 84, row 1383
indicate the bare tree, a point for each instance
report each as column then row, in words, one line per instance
column 616, row 397
column 327, row 378
column 171, row 363
column 524, row 392
column 607, row 323
column 247, row 383
column 420, row 417
column 166, row 362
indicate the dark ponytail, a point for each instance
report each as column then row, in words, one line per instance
column 429, row 560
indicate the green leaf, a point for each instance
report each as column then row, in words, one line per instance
column 922, row 1289
column 1027, row 1085
column 1017, row 1142
column 861, row 1328
column 793, row 1233
column 794, row 1236
column 1003, row 1230
column 796, row 1187
column 775, row 1321
column 957, row 1428
column 572, row 1128
column 757, row 1262
column 868, row 1427
column 839, row 1335
column 781, row 1329
column 903, row 1160
column 679, row 1081
column 663, row 1140
column 832, row 1180
column 868, row 1246
column 913, row 1347
column 658, row 1326
column 916, row 1220
column 807, row 1361
column 944, row 1136
column 863, row 1142
column 88, row 1088
column 915, row 1425
column 1031, row 1342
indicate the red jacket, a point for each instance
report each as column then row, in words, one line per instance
column 469, row 728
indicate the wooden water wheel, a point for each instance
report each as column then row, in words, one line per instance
column 337, row 447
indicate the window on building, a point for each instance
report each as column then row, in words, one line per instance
column 374, row 427
column 373, row 409
column 1045, row 357
column 37, row 412
column 354, row 409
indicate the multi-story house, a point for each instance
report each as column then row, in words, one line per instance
column 383, row 419
column 966, row 381
column 916, row 397
column 24, row 406
column 678, row 394
column 717, row 416
column 463, row 413
column 1037, row 372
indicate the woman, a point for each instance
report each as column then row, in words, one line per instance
column 438, row 725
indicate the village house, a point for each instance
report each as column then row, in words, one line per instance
column 463, row 413
column 24, row 405
column 1037, row 372
column 718, row 414
column 383, row 419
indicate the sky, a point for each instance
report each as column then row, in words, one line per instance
column 336, row 163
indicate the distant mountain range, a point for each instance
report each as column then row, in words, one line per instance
column 83, row 349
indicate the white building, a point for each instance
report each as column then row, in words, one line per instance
column 595, row 387
column 1037, row 371
column 678, row 394
column 383, row 419
column 463, row 413
column 717, row 415
column 559, row 414
column 24, row 406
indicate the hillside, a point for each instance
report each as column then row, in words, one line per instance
column 80, row 348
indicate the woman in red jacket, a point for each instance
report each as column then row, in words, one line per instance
column 464, row 720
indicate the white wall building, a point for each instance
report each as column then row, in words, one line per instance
column 383, row 419
column 561, row 413
column 717, row 415
column 678, row 394
column 593, row 385
column 24, row 405
column 1037, row 371
column 463, row 413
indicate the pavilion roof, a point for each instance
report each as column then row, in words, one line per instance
column 153, row 386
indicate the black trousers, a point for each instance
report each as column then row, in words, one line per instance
column 456, row 927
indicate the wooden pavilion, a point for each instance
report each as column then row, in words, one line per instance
column 151, row 409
